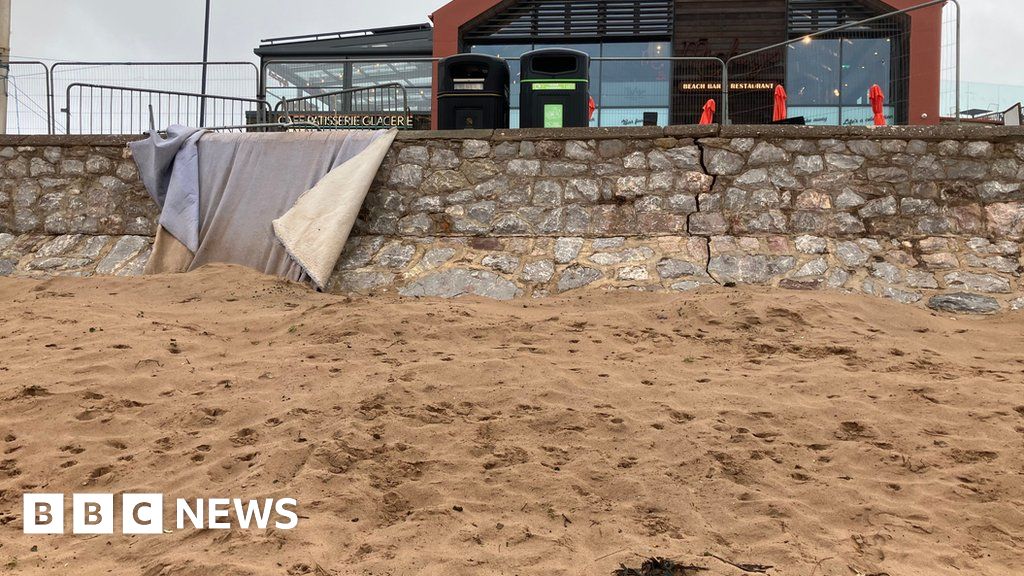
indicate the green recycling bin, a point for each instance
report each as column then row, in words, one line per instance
column 555, row 89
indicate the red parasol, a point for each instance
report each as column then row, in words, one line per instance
column 877, row 104
column 780, row 112
column 709, row 112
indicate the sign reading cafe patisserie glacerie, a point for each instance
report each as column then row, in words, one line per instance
column 346, row 120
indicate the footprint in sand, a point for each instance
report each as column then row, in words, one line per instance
column 9, row 468
column 245, row 437
column 210, row 416
column 680, row 417
column 100, row 472
column 973, row 456
column 87, row 415
column 854, row 431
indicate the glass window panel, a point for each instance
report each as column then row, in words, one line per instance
column 813, row 73
column 865, row 62
column 636, row 83
column 302, row 79
column 408, row 74
column 325, row 75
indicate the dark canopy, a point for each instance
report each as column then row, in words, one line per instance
column 415, row 40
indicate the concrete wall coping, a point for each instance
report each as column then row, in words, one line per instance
column 927, row 133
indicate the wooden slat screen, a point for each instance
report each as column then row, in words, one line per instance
column 559, row 19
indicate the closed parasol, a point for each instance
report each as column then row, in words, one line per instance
column 877, row 104
column 708, row 117
column 780, row 112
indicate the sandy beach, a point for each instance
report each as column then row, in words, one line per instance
column 816, row 433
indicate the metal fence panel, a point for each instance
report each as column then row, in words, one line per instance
column 225, row 79
column 98, row 109
column 28, row 97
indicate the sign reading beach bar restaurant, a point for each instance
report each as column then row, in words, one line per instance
column 701, row 86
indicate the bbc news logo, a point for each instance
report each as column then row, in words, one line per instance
column 144, row 514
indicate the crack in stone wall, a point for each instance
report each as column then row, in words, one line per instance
column 714, row 182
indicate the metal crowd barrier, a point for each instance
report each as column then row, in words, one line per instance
column 99, row 109
column 225, row 79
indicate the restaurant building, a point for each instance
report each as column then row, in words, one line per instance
column 653, row 56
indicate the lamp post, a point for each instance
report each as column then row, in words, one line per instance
column 206, row 57
column 5, row 59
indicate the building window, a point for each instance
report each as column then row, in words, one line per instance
column 310, row 80
column 828, row 79
column 622, row 90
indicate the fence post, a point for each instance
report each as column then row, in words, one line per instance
column 725, row 95
column 957, row 88
column 51, row 128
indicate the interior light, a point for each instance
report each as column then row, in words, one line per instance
column 807, row 40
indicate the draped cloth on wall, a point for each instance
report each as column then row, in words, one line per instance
column 281, row 203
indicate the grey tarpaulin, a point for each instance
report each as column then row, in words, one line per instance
column 247, row 181
column 155, row 157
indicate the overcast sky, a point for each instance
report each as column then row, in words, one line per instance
column 173, row 29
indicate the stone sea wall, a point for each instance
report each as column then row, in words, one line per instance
column 920, row 215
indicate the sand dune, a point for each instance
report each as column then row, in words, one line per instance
column 816, row 433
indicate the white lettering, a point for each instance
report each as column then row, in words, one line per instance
column 282, row 510
column 43, row 513
column 92, row 513
column 246, row 513
column 142, row 513
column 218, row 508
column 195, row 517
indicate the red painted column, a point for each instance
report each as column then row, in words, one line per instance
column 925, row 61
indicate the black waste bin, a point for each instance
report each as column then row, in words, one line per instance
column 472, row 92
column 555, row 89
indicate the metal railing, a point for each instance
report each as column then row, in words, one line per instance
column 99, row 109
